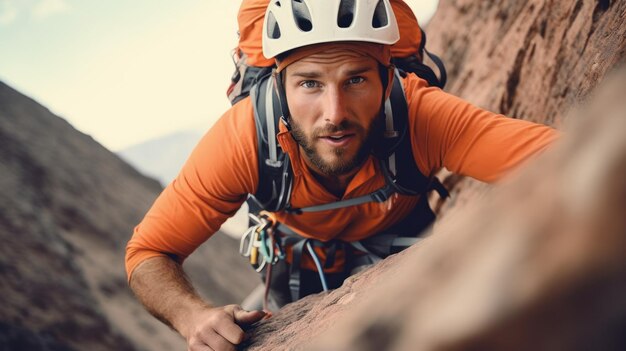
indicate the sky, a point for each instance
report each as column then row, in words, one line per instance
column 126, row 71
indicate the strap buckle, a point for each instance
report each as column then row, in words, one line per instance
column 382, row 194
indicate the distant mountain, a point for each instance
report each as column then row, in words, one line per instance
column 162, row 158
column 67, row 208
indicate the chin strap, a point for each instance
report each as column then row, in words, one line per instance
column 282, row 98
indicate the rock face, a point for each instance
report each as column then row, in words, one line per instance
column 67, row 209
column 538, row 262
column 532, row 60
column 528, row 59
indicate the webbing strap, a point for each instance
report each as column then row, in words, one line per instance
column 440, row 188
column 403, row 173
column 294, row 270
column 359, row 246
column 390, row 132
column 403, row 241
column 298, row 245
column 286, row 230
column 285, row 186
column 271, row 131
column 388, row 241
column 380, row 195
column 274, row 169
column 443, row 76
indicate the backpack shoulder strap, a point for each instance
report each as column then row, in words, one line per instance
column 274, row 188
column 400, row 165
column 400, row 162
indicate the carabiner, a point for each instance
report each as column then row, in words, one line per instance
column 245, row 244
column 260, row 266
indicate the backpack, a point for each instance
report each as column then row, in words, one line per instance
column 275, row 176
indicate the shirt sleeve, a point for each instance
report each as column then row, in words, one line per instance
column 211, row 186
column 452, row 133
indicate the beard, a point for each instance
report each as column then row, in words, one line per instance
column 342, row 163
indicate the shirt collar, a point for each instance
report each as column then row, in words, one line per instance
column 299, row 167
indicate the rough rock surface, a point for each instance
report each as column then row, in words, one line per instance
column 67, row 209
column 528, row 59
column 532, row 60
column 538, row 263
column 527, row 268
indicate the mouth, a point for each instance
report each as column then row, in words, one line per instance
column 338, row 139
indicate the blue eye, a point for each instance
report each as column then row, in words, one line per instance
column 356, row 80
column 309, row 84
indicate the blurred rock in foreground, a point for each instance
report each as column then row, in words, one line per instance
column 536, row 264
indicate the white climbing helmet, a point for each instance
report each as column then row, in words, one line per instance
column 291, row 24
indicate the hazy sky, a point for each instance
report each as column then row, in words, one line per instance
column 126, row 71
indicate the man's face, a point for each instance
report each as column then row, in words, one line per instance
column 334, row 98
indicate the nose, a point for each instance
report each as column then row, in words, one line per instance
column 335, row 105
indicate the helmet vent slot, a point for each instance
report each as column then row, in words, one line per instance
column 273, row 30
column 345, row 16
column 381, row 18
column 302, row 15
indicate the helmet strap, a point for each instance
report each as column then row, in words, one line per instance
column 386, row 77
column 282, row 98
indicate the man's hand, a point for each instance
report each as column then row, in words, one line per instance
column 218, row 328
column 161, row 285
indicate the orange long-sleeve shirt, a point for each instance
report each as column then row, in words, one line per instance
column 222, row 170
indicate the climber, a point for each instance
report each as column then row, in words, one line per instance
column 339, row 159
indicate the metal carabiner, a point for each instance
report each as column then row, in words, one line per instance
column 255, row 244
column 255, row 218
column 257, row 257
column 261, row 266
column 245, row 244
column 267, row 246
column 256, row 238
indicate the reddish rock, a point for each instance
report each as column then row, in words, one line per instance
column 539, row 262
column 528, row 59
column 532, row 60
